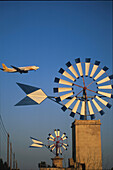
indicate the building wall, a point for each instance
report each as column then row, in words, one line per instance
column 57, row 168
column 86, row 143
column 57, row 165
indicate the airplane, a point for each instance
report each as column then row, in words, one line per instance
column 18, row 69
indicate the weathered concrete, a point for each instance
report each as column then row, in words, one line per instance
column 57, row 168
column 57, row 162
column 86, row 144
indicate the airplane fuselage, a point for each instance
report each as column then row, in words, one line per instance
column 27, row 68
column 18, row 69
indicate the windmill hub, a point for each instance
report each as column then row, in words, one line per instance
column 84, row 88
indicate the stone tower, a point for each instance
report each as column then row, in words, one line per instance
column 86, row 144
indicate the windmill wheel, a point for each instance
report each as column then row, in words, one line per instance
column 57, row 142
column 84, row 88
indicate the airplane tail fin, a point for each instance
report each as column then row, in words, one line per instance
column 4, row 67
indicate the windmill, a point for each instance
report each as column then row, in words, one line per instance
column 83, row 88
column 57, row 142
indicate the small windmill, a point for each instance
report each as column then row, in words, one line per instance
column 57, row 142
column 83, row 88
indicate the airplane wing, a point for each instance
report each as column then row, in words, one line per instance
column 1, row 69
column 19, row 70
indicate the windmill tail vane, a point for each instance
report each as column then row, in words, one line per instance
column 34, row 95
column 36, row 143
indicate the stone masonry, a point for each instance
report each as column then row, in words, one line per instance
column 86, row 144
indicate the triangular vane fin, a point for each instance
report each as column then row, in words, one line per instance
column 26, row 101
column 27, row 89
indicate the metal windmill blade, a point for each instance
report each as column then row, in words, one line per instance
column 57, row 142
column 74, row 92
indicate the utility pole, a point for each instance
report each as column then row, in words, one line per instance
column 10, row 156
column 13, row 160
column 16, row 165
column 8, row 149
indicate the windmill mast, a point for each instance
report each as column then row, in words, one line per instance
column 85, row 98
column 56, row 148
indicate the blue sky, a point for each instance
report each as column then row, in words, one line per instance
column 49, row 34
